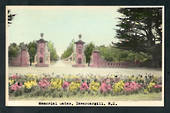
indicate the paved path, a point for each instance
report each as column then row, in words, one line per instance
column 61, row 67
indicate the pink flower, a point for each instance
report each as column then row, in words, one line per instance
column 105, row 87
column 44, row 83
column 14, row 77
column 84, row 86
column 157, row 86
column 131, row 86
column 109, row 87
column 108, row 80
column 16, row 86
column 65, row 84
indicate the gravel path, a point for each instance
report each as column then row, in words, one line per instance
column 65, row 68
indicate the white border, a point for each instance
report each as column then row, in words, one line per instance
column 120, row 103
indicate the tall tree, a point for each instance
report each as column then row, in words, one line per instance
column 88, row 51
column 32, row 49
column 68, row 51
column 140, row 30
column 53, row 53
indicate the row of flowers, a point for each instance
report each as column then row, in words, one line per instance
column 46, row 85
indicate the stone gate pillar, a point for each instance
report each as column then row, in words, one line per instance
column 25, row 58
column 80, row 58
column 95, row 59
column 43, row 55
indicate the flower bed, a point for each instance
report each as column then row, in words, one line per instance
column 68, row 85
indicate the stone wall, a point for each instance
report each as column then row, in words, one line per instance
column 22, row 59
column 97, row 61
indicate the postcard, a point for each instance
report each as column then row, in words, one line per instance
column 85, row 56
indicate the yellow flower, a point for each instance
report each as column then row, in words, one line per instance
column 94, row 86
column 34, row 83
column 74, row 86
column 150, row 86
column 56, row 83
column 146, row 91
column 11, row 82
column 30, row 84
column 29, row 75
column 118, row 87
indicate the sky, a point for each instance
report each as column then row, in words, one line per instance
column 61, row 24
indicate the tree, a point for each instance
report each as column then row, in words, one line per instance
column 112, row 54
column 10, row 17
column 88, row 51
column 140, row 30
column 32, row 49
column 13, row 50
column 106, row 53
column 53, row 53
column 68, row 51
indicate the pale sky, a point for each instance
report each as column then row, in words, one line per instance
column 61, row 24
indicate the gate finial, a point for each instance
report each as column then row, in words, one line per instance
column 41, row 34
column 79, row 36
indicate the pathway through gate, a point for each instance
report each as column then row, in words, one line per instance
column 61, row 63
column 62, row 67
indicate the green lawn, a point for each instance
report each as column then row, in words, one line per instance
column 134, row 97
